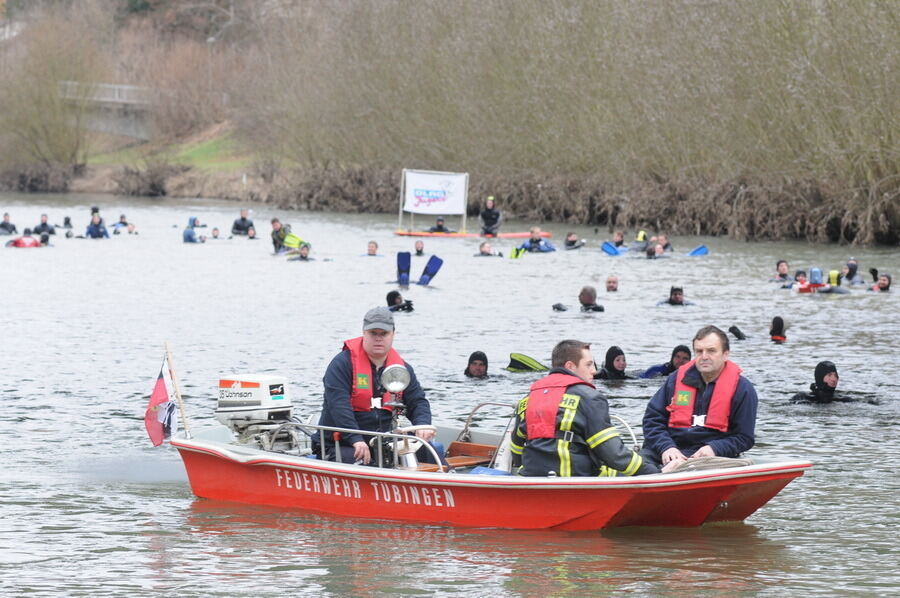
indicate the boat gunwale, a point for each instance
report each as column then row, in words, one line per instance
column 258, row 457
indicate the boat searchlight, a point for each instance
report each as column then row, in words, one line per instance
column 395, row 378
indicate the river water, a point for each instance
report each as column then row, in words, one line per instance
column 89, row 507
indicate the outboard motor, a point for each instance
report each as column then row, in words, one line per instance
column 253, row 400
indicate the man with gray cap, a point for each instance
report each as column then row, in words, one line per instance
column 354, row 395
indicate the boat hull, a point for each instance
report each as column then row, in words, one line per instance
column 217, row 471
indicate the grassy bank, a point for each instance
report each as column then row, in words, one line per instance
column 769, row 119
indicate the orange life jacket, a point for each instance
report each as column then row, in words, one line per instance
column 779, row 339
column 681, row 407
column 362, row 383
column 543, row 403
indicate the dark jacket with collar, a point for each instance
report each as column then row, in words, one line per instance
column 741, row 434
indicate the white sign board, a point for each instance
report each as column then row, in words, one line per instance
column 440, row 193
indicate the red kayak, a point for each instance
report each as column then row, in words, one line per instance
column 519, row 235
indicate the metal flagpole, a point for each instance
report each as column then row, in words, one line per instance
column 184, row 421
column 465, row 203
column 402, row 194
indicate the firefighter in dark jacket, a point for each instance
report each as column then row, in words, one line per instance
column 705, row 408
column 563, row 426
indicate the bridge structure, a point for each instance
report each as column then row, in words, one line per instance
column 124, row 110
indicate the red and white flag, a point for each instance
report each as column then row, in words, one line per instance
column 160, row 418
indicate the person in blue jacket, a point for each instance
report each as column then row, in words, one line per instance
column 354, row 395
column 704, row 409
column 190, row 235
column 536, row 243
column 680, row 356
column 96, row 229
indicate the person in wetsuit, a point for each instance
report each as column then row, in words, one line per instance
column 395, row 302
column 587, row 297
column 563, row 428
column 96, row 229
column 279, row 233
column 477, row 366
column 676, row 297
column 849, row 274
column 439, row 226
column 663, row 240
column 7, row 227
column 420, row 248
column 490, row 218
column 822, row 390
column 536, row 243
column 189, row 235
column 485, row 250
column 681, row 354
column 781, row 272
column 44, row 227
column 613, row 366
column 883, row 285
column 243, row 224
column 777, row 330
column 573, row 242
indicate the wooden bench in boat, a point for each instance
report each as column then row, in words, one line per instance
column 464, row 454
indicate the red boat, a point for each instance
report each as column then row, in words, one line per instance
column 268, row 462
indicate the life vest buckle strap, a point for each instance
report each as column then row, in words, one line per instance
column 566, row 436
column 699, row 420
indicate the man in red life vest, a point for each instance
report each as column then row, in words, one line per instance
column 705, row 408
column 563, row 426
column 354, row 395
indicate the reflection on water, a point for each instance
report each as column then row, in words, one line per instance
column 89, row 508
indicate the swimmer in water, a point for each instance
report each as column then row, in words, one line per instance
column 587, row 297
column 781, row 272
column 777, row 331
column 883, row 285
column 573, row 242
column 477, row 366
column 822, row 390
column 614, row 366
column 680, row 356
column 676, row 297
column 395, row 302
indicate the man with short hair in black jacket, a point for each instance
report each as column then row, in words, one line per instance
column 563, row 426
column 243, row 224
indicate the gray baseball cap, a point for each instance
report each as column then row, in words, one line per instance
column 379, row 318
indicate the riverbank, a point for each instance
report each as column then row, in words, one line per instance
column 212, row 164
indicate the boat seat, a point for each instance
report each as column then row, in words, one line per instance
column 466, row 461
column 431, row 467
column 469, row 454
